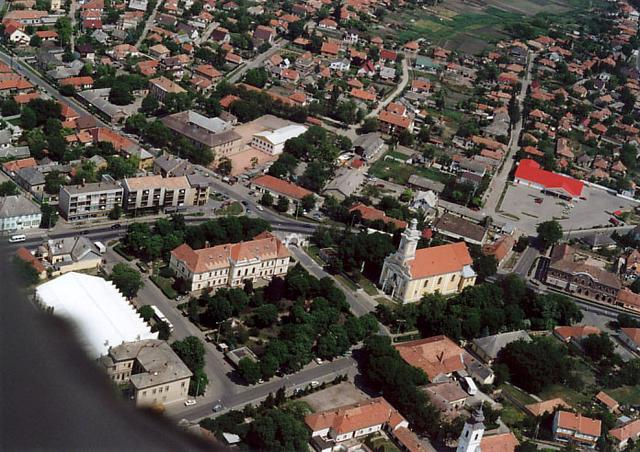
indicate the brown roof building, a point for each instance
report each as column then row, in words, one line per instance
column 231, row 264
column 437, row 356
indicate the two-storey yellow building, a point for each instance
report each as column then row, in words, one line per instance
column 408, row 274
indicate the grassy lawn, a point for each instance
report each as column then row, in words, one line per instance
column 14, row 121
column 165, row 285
column 628, row 395
column 510, row 414
column 399, row 173
column 381, row 444
column 397, row 155
column 368, row 286
column 516, row 394
column 233, row 209
column 571, row 396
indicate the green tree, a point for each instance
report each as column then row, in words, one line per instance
column 49, row 216
column 64, row 29
column 28, row 118
column 257, row 77
column 191, row 351
column 537, row 364
column 8, row 188
column 249, row 370
column 308, row 203
column 121, row 93
column 53, row 181
column 225, row 166
column 175, row 102
column 279, row 430
column 116, row 212
column 68, row 90
column 127, row 279
column 146, row 312
column 149, row 105
column 266, row 200
column 598, row 347
column 549, row 233
column 485, row 266
column 283, row 204
column 265, row 315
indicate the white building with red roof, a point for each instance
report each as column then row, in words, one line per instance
column 576, row 429
column 353, row 421
column 408, row 274
column 530, row 173
column 231, row 264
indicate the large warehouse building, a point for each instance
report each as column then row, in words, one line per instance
column 102, row 316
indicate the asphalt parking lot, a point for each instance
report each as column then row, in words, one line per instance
column 520, row 208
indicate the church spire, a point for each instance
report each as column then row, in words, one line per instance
column 409, row 242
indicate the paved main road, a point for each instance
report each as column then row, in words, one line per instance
column 258, row 61
column 401, row 86
column 35, row 78
column 257, row 393
column 148, row 23
column 499, row 180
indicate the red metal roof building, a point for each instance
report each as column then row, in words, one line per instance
column 530, row 173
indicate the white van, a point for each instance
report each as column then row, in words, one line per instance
column 469, row 386
column 17, row 238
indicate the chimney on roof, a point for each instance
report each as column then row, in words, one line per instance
column 206, row 244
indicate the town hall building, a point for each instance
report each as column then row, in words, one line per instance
column 408, row 274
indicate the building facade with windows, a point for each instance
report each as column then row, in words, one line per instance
column 408, row 274
column 89, row 201
column 272, row 142
column 231, row 264
column 156, row 193
column 156, row 374
column 18, row 213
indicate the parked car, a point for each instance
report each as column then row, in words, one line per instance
column 190, row 402
column 217, row 408
column 116, row 226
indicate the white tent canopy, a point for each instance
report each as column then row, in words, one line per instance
column 101, row 314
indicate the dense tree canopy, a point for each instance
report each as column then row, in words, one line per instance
column 537, row 364
column 126, row 279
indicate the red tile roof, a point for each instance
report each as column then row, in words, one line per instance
column 502, row 442
column 16, row 165
column 435, row 355
column 607, row 400
column 282, row 187
column 575, row 332
column 439, row 260
column 372, row 214
column 26, row 256
column 546, row 406
column 530, row 170
column 579, row 423
column 395, row 120
column 354, row 417
column 633, row 334
column 630, row 430
column 264, row 246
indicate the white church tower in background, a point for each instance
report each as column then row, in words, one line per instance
column 471, row 435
